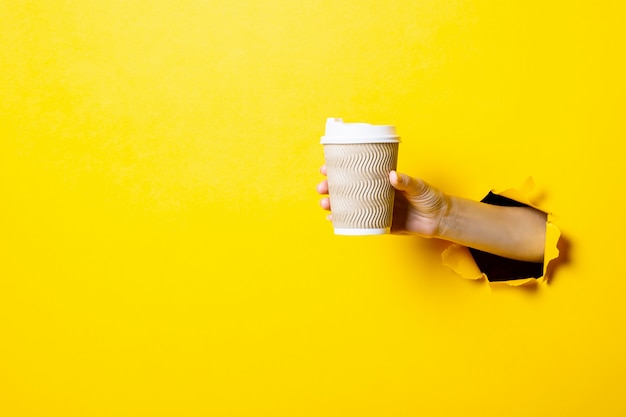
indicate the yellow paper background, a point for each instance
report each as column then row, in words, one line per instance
column 162, row 252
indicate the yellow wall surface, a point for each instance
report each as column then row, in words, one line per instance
column 162, row 251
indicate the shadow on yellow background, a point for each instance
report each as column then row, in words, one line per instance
column 162, row 251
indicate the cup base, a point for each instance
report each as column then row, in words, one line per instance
column 362, row 232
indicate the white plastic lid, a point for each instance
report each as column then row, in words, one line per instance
column 338, row 132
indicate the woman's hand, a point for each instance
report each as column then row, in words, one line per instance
column 418, row 207
column 512, row 232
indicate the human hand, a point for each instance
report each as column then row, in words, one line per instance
column 418, row 207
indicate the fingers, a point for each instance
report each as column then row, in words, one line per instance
column 322, row 187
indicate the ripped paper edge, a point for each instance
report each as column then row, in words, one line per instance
column 461, row 261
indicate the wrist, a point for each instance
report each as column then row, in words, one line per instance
column 448, row 222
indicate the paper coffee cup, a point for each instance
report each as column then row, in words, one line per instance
column 359, row 157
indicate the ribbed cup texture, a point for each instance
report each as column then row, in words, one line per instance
column 361, row 196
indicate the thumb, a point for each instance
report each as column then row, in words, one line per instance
column 399, row 181
column 403, row 182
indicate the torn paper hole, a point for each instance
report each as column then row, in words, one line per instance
column 474, row 264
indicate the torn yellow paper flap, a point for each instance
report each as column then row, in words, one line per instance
column 551, row 251
column 521, row 194
column 460, row 259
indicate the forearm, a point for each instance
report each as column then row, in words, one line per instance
column 512, row 232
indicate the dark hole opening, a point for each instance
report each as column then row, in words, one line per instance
column 498, row 268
